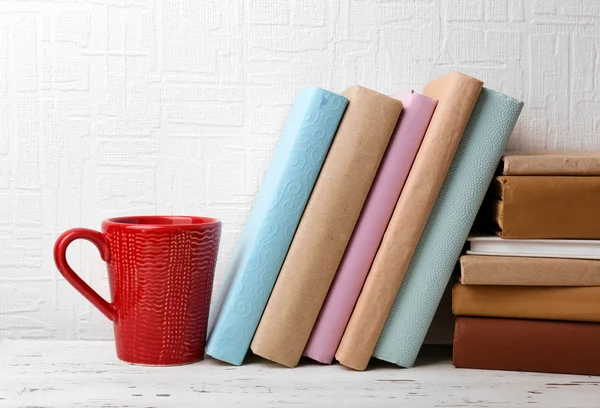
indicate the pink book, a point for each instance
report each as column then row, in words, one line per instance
column 354, row 267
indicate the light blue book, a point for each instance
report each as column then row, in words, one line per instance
column 275, row 215
column 448, row 226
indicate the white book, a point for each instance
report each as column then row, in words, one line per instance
column 542, row 248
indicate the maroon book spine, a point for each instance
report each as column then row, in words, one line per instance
column 527, row 345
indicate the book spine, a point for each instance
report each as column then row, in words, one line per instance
column 441, row 243
column 456, row 95
column 552, row 165
column 542, row 211
column 545, row 248
column 275, row 215
column 326, row 225
column 527, row 345
column 350, row 276
column 528, row 302
column 523, row 271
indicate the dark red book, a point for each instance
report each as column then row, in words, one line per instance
column 527, row 345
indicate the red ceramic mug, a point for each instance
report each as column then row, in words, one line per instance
column 160, row 271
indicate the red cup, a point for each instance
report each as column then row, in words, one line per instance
column 160, row 271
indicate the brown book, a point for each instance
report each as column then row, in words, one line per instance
column 527, row 345
column 551, row 163
column 326, row 225
column 580, row 304
column 456, row 95
column 522, row 271
column 561, row 207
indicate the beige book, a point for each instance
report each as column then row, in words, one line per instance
column 551, row 163
column 457, row 94
column 522, row 271
column 326, row 225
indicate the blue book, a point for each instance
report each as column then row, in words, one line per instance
column 275, row 215
column 448, row 226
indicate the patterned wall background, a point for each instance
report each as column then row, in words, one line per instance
column 139, row 106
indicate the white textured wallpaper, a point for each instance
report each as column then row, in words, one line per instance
column 174, row 107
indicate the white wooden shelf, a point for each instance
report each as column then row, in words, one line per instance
column 87, row 374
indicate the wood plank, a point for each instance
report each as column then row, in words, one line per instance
column 88, row 374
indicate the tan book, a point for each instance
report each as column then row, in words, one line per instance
column 456, row 94
column 580, row 304
column 523, row 271
column 560, row 207
column 551, row 163
column 326, row 225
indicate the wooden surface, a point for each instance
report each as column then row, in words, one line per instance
column 87, row 374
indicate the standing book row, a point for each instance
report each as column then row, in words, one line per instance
column 360, row 219
column 529, row 296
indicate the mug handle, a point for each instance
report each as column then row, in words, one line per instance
column 60, row 258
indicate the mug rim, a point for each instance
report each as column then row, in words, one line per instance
column 153, row 222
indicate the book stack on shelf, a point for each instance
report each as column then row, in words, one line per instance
column 529, row 296
column 360, row 220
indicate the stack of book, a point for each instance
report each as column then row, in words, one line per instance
column 361, row 217
column 529, row 296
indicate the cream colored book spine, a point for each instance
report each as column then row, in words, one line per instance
column 552, row 163
column 523, row 271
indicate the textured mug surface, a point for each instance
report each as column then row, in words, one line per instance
column 160, row 271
